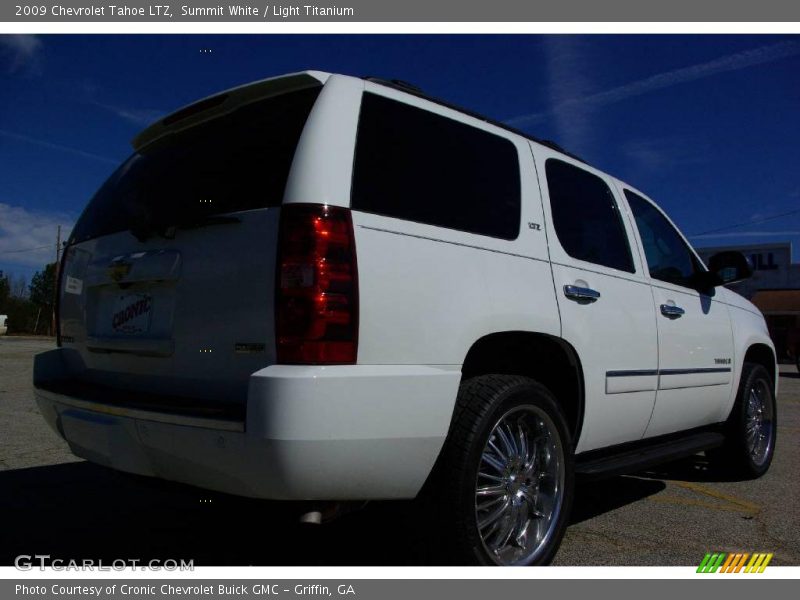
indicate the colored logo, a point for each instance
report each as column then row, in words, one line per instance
column 737, row 562
column 118, row 269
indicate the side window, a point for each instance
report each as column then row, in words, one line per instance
column 415, row 165
column 668, row 257
column 586, row 217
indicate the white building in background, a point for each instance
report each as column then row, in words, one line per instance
column 775, row 289
column 772, row 267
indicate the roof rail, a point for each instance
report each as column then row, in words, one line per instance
column 414, row 90
column 398, row 84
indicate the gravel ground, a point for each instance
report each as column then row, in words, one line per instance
column 68, row 508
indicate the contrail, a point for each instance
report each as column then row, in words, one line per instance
column 724, row 64
column 52, row 146
column 738, row 234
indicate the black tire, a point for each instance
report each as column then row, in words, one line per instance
column 482, row 403
column 738, row 457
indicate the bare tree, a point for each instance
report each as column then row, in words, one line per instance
column 19, row 286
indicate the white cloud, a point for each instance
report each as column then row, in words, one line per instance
column 28, row 238
column 583, row 103
column 22, row 53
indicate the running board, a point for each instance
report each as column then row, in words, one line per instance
column 628, row 458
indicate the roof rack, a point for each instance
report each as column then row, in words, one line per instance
column 414, row 90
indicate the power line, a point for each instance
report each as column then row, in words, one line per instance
column 16, row 266
column 743, row 224
column 25, row 249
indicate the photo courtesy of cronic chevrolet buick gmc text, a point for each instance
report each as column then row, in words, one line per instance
column 324, row 288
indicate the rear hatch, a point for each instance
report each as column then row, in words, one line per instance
column 167, row 285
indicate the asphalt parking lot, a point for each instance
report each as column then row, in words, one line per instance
column 52, row 503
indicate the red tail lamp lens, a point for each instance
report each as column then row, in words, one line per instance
column 317, row 286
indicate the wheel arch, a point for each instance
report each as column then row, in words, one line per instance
column 763, row 355
column 548, row 359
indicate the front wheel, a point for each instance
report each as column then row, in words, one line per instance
column 751, row 430
column 504, row 482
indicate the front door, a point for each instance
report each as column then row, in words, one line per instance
column 695, row 340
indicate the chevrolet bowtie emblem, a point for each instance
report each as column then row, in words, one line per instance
column 118, row 270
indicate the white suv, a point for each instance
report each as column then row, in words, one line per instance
column 319, row 287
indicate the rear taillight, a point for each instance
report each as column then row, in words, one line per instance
column 316, row 310
column 57, row 301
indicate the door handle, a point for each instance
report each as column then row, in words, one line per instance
column 672, row 312
column 582, row 295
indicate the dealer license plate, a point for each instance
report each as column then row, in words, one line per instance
column 131, row 314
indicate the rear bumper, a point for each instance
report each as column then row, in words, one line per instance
column 310, row 433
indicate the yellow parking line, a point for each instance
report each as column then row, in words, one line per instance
column 665, row 499
column 745, row 505
column 729, row 503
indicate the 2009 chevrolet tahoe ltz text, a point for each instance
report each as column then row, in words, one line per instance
column 320, row 287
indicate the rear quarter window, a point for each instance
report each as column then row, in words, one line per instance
column 415, row 165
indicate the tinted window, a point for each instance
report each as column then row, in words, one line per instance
column 586, row 217
column 235, row 162
column 668, row 257
column 415, row 165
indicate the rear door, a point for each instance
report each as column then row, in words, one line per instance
column 168, row 279
column 604, row 299
column 695, row 339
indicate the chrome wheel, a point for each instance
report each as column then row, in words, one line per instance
column 759, row 423
column 520, row 486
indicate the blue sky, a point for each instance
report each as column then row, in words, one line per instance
column 709, row 126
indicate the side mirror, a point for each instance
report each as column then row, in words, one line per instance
column 729, row 267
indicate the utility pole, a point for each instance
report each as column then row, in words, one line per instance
column 55, row 282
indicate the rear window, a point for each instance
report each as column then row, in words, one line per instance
column 415, row 165
column 239, row 161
